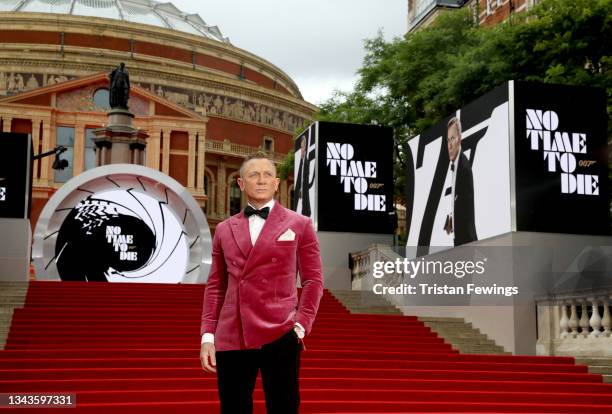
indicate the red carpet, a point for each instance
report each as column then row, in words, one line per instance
column 134, row 348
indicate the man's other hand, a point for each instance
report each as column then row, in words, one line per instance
column 207, row 357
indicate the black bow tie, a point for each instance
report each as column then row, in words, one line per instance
column 452, row 166
column 263, row 213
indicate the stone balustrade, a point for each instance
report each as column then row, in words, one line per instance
column 228, row 148
column 577, row 323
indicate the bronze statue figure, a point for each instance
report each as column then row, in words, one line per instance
column 119, row 85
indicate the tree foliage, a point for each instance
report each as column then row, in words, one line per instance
column 411, row 83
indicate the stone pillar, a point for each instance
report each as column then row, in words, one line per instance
column 191, row 160
column 120, row 142
column 45, row 169
column 153, row 149
column 6, row 124
column 221, row 188
column 35, row 145
column 79, row 150
column 201, row 161
column 166, row 152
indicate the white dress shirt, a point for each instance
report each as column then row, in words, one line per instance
column 256, row 223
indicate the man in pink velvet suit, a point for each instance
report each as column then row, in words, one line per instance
column 252, row 320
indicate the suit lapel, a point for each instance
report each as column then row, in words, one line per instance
column 271, row 228
column 240, row 231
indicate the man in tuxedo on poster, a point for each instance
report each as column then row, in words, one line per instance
column 460, row 220
column 302, row 178
column 252, row 320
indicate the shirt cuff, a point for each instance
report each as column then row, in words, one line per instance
column 208, row 338
column 299, row 330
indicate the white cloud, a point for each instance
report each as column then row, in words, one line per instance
column 319, row 43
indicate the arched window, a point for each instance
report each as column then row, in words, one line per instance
column 101, row 98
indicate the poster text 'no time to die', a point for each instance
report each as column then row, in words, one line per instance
column 353, row 176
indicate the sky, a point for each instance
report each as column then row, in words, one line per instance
column 318, row 43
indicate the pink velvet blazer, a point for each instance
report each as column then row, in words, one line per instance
column 251, row 296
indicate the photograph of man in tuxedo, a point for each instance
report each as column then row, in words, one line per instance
column 302, row 178
column 460, row 220
column 252, row 320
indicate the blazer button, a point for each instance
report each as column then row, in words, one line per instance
column 274, row 260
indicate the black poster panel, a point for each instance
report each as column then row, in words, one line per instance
column 355, row 184
column 561, row 159
column 15, row 164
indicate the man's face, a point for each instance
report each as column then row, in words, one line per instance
column 259, row 182
column 453, row 142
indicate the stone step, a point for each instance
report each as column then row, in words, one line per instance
column 596, row 361
column 607, row 379
column 442, row 319
column 462, row 336
column 596, row 369
column 454, row 331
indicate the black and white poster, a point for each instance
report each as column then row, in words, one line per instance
column 304, row 200
column 458, row 176
column 355, row 183
column 344, row 177
column 15, row 178
column 561, row 159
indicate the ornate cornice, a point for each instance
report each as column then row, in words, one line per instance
column 87, row 62
column 129, row 30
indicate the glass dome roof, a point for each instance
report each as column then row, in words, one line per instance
column 150, row 12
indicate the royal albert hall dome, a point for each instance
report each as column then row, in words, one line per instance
column 164, row 15
column 205, row 103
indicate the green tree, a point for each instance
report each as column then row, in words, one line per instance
column 411, row 83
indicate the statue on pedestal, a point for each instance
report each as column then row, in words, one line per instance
column 119, row 85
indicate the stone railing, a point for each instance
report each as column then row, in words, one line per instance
column 228, row 148
column 361, row 272
column 577, row 323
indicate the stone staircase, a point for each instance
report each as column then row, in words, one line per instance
column 12, row 295
column 455, row 331
column 463, row 336
column 365, row 302
column 598, row 365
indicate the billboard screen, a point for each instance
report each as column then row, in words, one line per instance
column 458, row 176
column 348, row 171
column 15, row 180
column 561, row 159
column 304, row 199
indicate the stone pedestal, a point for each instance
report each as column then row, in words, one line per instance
column 119, row 142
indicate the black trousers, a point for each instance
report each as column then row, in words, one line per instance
column 279, row 362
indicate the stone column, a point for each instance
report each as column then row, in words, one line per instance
column 35, row 145
column 221, row 188
column 201, row 161
column 78, row 150
column 191, row 160
column 166, row 155
column 45, row 169
column 6, row 124
column 153, row 149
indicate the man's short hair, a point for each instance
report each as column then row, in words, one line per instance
column 454, row 121
column 259, row 155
